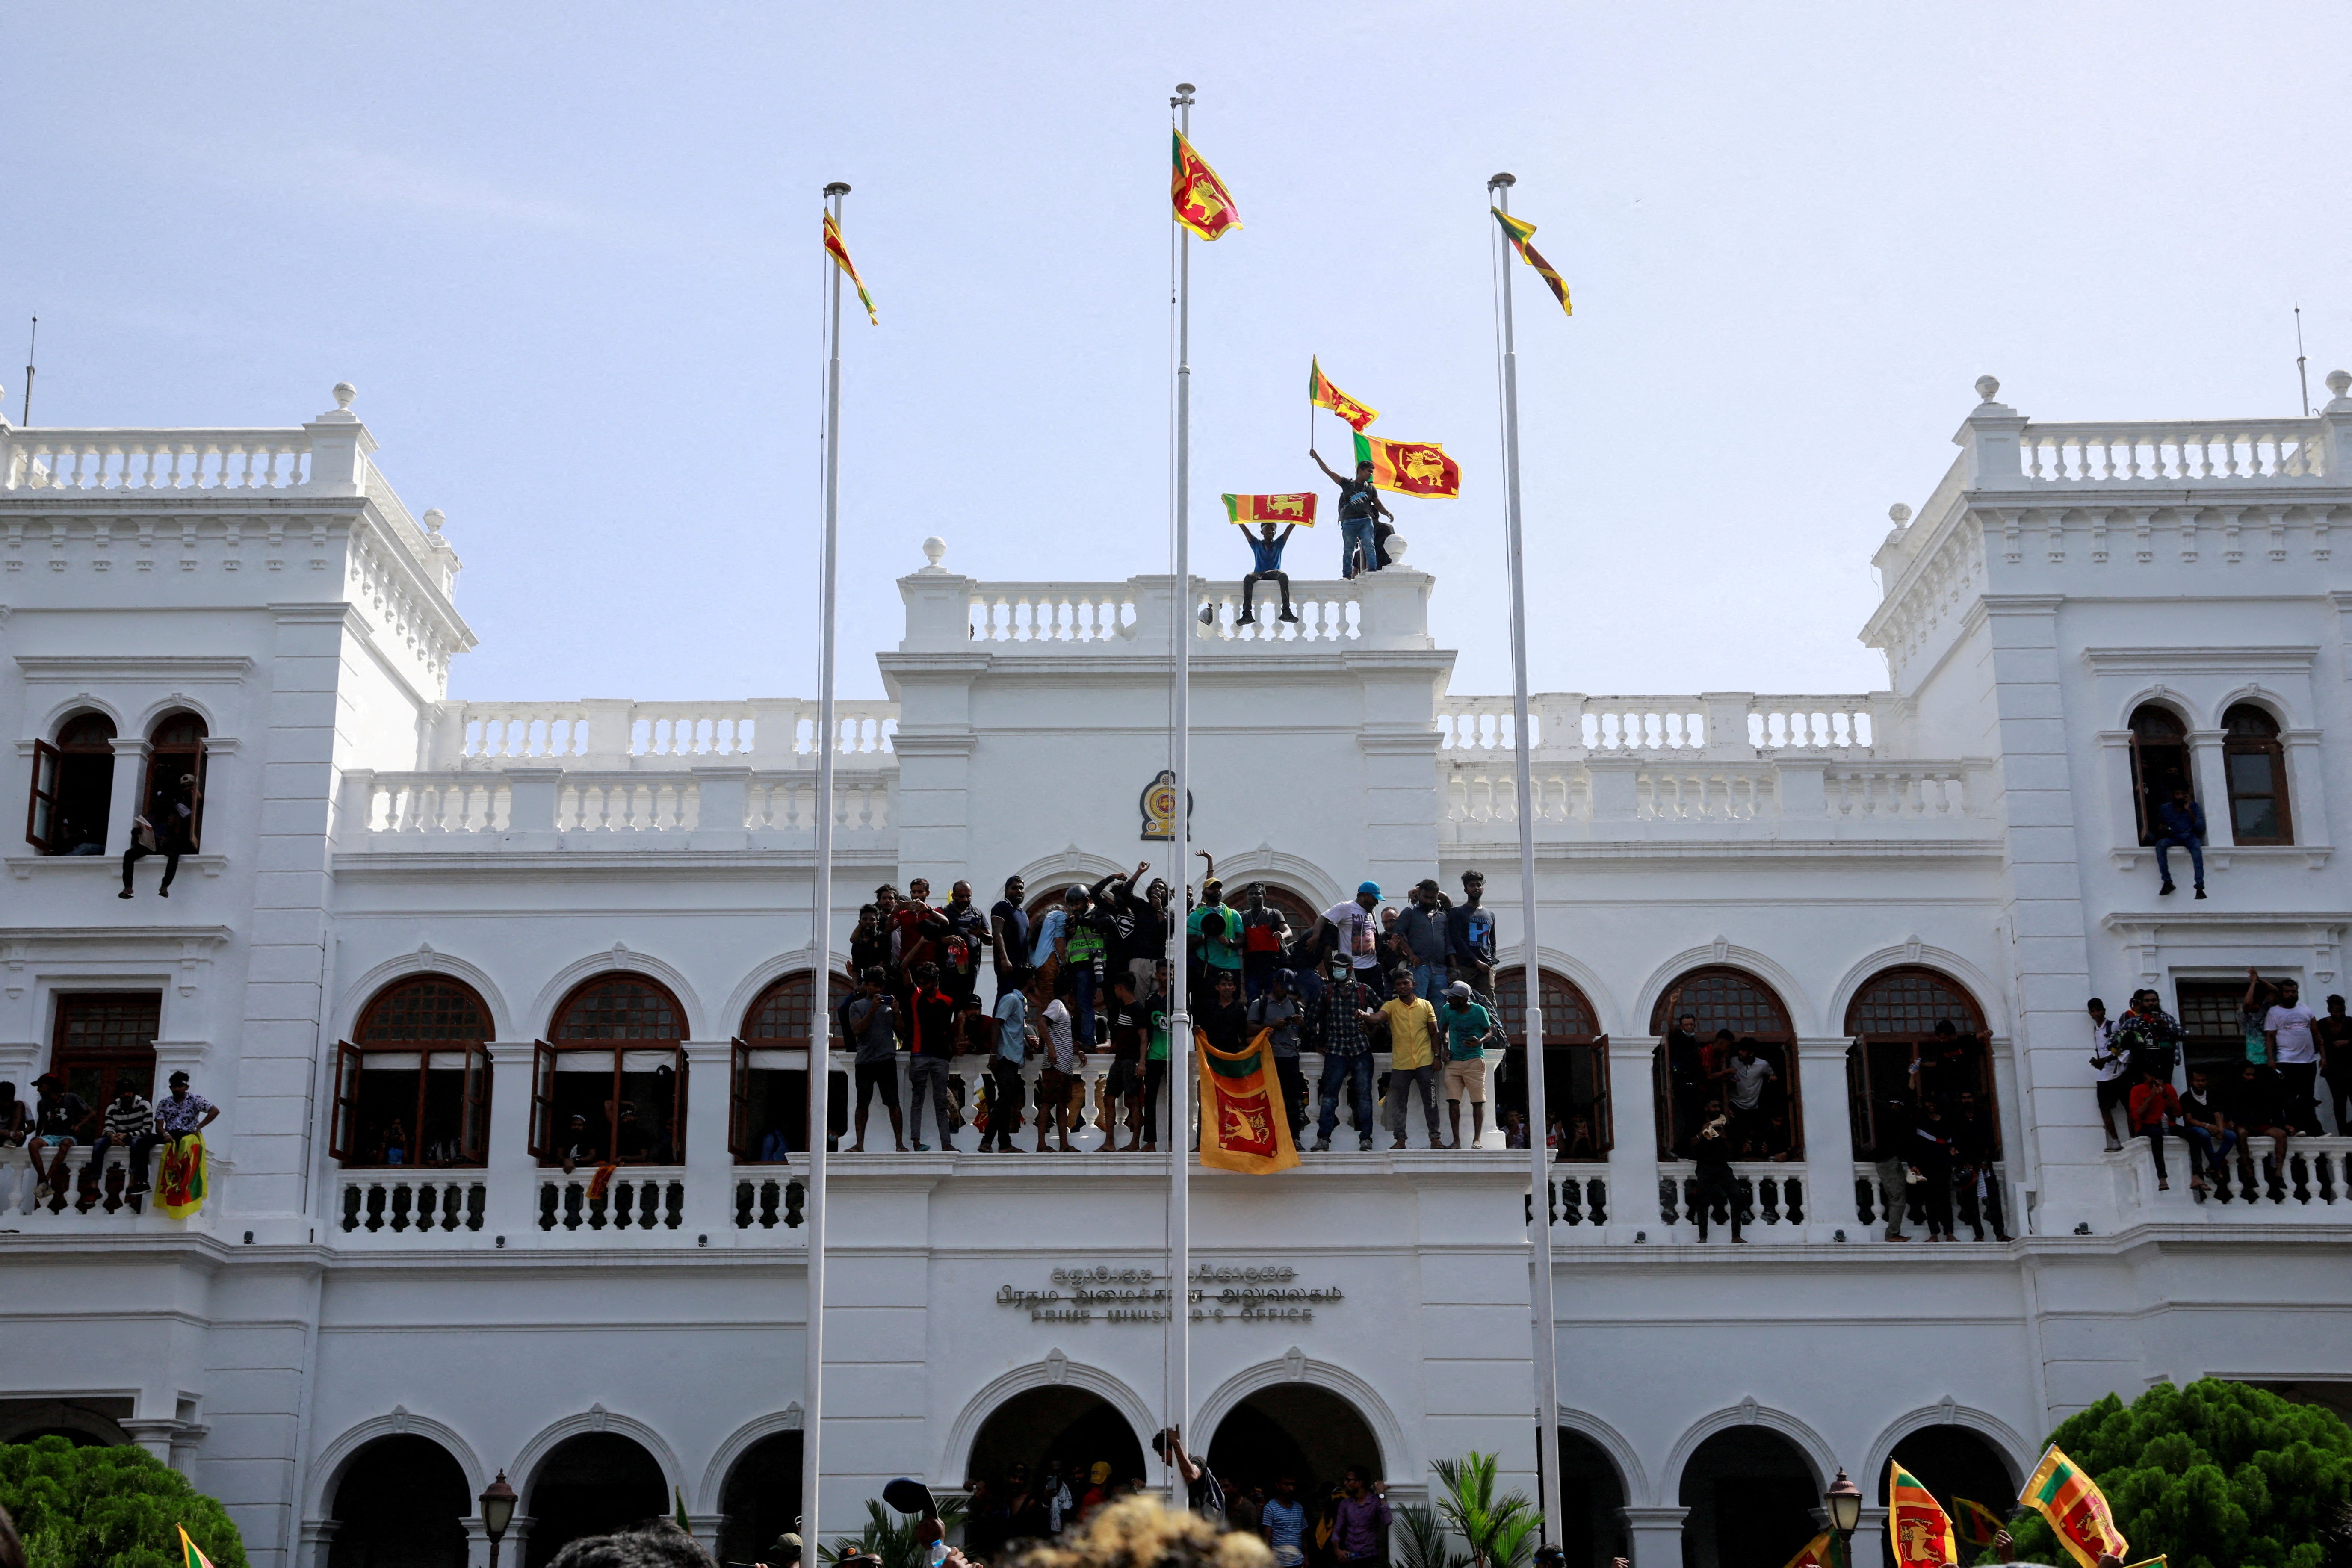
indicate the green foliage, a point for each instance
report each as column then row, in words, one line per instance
column 887, row 1536
column 107, row 1508
column 2215, row 1475
column 1499, row 1530
column 1425, row 1543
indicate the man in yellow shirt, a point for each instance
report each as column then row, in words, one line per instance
column 1413, row 1051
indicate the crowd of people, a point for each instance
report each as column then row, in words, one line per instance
column 1089, row 973
column 58, row 1121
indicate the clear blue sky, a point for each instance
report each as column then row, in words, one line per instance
column 569, row 255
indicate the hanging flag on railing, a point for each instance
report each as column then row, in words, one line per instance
column 1519, row 232
column 1202, row 202
column 1410, row 467
column 840, row 254
column 1323, row 395
column 1244, row 1126
column 1298, row 508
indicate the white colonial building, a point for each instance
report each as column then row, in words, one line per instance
column 417, row 934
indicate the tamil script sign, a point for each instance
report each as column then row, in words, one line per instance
column 1214, row 1293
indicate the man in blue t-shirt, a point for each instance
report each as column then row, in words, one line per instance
column 1267, row 549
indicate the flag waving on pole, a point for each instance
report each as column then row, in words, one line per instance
column 840, row 254
column 1323, row 395
column 1976, row 1525
column 1410, row 467
column 191, row 1555
column 1823, row 1551
column 1202, row 203
column 2077, row 1510
column 1917, row 1525
column 1519, row 232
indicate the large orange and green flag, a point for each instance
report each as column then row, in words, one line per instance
column 1917, row 1527
column 1323, row 395
column 840, row 254
column 1976, row 1525
column 1298, row 508
column 191, row 1555
column 1202, row 203
column 1410, row 467
column 1244, row 1125
column 1519, row 232
column 1826, row 1550
column 180, row 1182
column 2077, row 1510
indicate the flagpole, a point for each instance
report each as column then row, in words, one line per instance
column 1538, row 1109
column 819, row 1062
column 1180, row 1024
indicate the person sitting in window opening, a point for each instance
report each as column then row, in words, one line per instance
column 872, row 1019
column 1414, row 1047
column 1750, row 1074
column 932, row 1057
column 1005, row 1091
column 59, row 1120
column 2334, row 1034
column 1470, row 936
column 1711, row 1161
column 1056, row 1074
column 1974, row 1139
column 2155, row 1111
column 1467, row 1026
column 171, row 837
column 1266, row 555
column 1931, row 1169
column 130, row 1126
column 1359, row 508
column 775, row 1147
column 2255, row 1107
column 2287, row 1031
column 16, row 1117
column 2108, row 1061
column 2205, row 1127
column 183, row 1111
column 2180, row 825
column 1266, row 936
column 392, row 1149
column 1336, row 1023
column 1276, row 1012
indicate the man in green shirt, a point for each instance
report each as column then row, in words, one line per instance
column 1466, row 1026
column 1215, row 929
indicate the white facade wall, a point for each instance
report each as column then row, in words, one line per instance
column 360, row 827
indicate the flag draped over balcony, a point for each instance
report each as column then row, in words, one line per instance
column 1244, row 1126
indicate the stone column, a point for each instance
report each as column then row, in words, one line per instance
column 1656, row 1536
column 318, row 1537
column 509, row 1172
column 709, row 1165
column 1829, row 1139
column 1869, row 1542
column 478, row 1542
column 122, row 801
column 1633, row 1156
column 2212, row 792
column 155, row 1434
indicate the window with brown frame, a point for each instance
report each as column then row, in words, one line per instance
column 73, row 788
column 105, row 1040
column 2211, row 1016
column 615, row 1064
column 2159, row 764
column 413, row 1087
column 1576, row 1063
column 2255, row 763
column 1724, row 998
column 1891, row 1020
column 175, row 777
column 767, row 1102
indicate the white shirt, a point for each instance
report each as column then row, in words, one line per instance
column 2102, row 1044
column 1748, row 1080
column 1057, row 1019
column 1356, row 931
column 2293, row 1027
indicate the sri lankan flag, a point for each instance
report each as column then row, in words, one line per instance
column 190, row 1556
column 1976, row 1525
column 1323, row 395
column 1202, row 203
column 1244, row 1124
column 2077, row 1510
column 1410, row 467
column 1246, row 509
column 180, row 1183
column 1826, row 1550
column 1917, row 1527
column 840, row 254
column 1528, row 253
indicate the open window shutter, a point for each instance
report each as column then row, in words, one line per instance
column 678, row 1111
column 472, row 1114
column 1662, row 1099
column 41, row 811
column 1862, row 1099
column 1604, row 1108
column 739, row 1102
column 542, row 1101
column 200, row 764
column 347, row 1089
column 1789, row 1066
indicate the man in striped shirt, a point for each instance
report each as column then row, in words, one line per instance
column 130, row 1124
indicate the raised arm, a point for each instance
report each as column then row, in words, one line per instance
column 1335, row 478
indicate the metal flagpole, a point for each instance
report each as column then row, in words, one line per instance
column 820, row 1064
column 1538, row 1109
column 1180, row 1025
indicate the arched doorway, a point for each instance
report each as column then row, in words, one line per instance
column 1075, row 1426
column 1591, row 1503
column 401, row 1502
column 1752, row 1497
column 1953, row 1461
column 761, row 1497
column 1293, row 1429
column 592, row 1484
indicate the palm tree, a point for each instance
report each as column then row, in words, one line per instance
column 888, row 1538
column 1499, row 1530
column 1425, row 1543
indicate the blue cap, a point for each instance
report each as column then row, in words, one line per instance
column 1371, row 888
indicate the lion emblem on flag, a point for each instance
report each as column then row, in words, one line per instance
column 1424, row 466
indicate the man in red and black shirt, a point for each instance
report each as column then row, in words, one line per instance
column 930, row 1053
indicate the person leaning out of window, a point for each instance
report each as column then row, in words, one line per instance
column 170, row 839
column 2180, row 825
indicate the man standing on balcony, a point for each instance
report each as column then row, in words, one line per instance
column 873, row 1024
column 2287, row 1029
column 1359, row 508
column 1013, row 1037
column 1422, row 931
column 1336, row 1020
column 930, row 1057
column 1470, row 935
column 1009, row 922
column 1413, row 1048
column 1356, row 932
column 964, row 934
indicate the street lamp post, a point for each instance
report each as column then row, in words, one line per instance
column 497, row 1511
column 1844, row 1503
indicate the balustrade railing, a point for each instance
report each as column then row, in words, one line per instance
column 2174, row 453
column 417, row 1202
column 1875, row 1201
column 648, row 1200
column 1727, row 725
column 127, row 461
column 1053, row 612
column 437, row 803
column 103, row 1204
column 1770, row 1195
column 643, row 736
column 1326, row 612
column 591, row 804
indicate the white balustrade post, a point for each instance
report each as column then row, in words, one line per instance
column 353, row 806
column 2337, row 418
column 1633, row 1164
column 1656, row 1536
column 709, row 1164
column 938, row 610
column 531, row 807
column 1727, row 725
column 510, row 1173
column 123, row 799
column 1827, row 1168
column 725, row 794
column 611, row 725
column 1991, row 442
column 1395, row 603
column 340, row 449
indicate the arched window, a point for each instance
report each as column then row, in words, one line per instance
column 1895, row 1020
column 609, row 1086
column 173, row 795
column 2255, row 765
column 413, row 1086
column 1695, row 1063
column 1576, row 1063
column 2159, row 759
column 73, row 788
column 766, row 1108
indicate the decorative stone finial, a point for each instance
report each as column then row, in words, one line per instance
column 434, row 520
column 1394, row 549
column 2339, row 382
column 1988, row 386
column 344, row 393
column 1899, row 514
column 935, row 550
